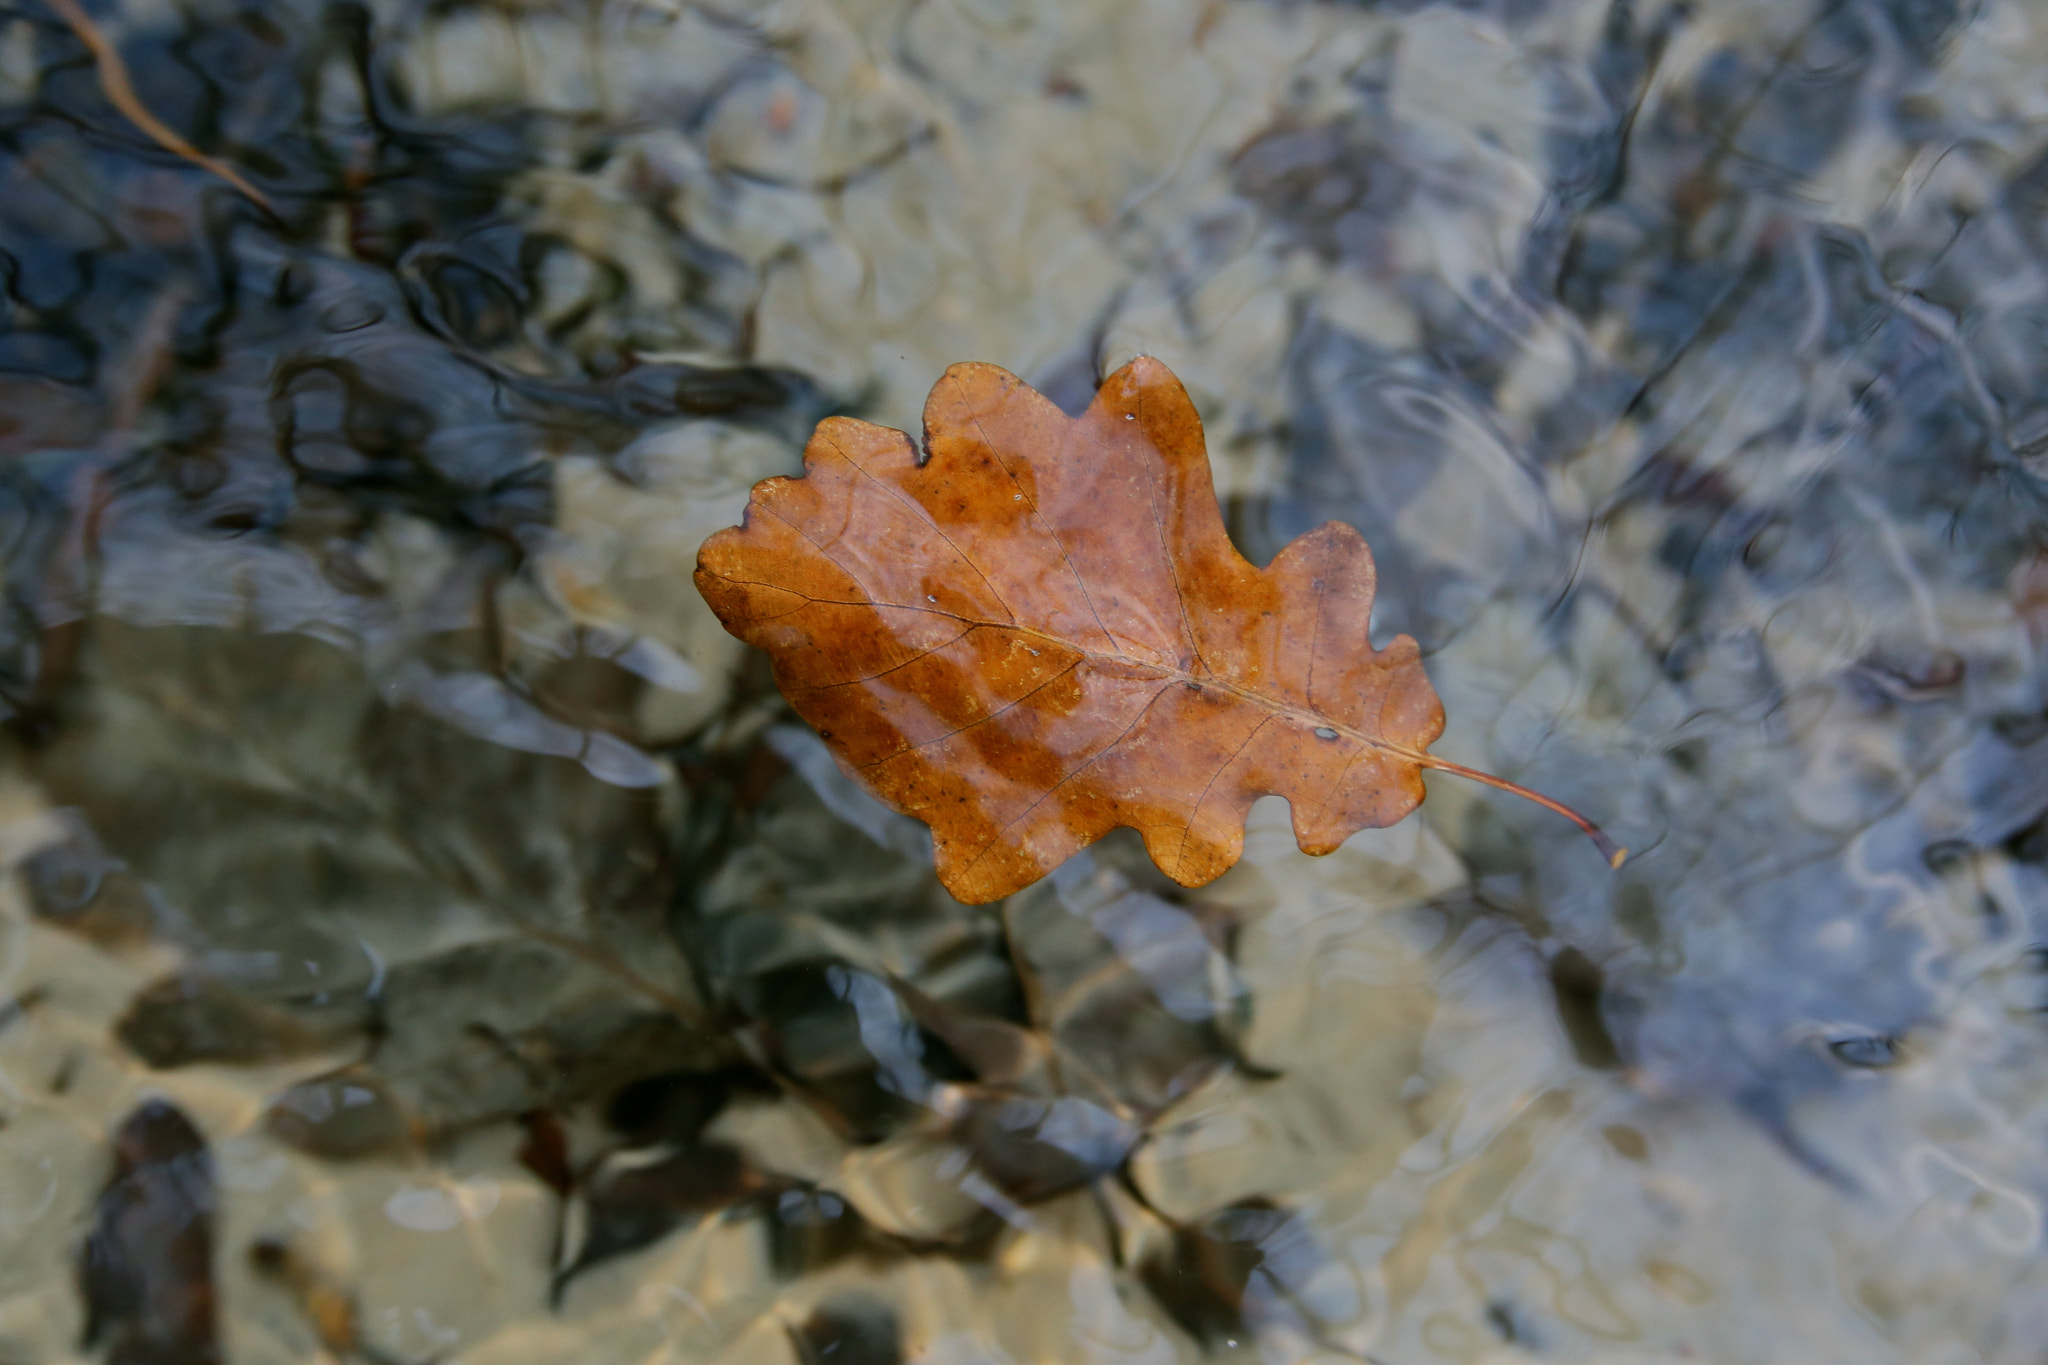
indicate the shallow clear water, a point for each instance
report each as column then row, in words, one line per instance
column 429, row 937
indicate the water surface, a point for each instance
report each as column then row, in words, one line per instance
column 429, row 937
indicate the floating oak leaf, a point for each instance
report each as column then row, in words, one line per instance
column 1040, row 631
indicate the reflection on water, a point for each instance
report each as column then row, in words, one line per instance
column 429, row 938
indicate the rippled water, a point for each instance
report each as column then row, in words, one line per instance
column 431, row 938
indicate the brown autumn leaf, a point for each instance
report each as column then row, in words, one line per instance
column 1040, row 631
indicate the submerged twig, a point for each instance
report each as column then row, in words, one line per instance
column 120, row 92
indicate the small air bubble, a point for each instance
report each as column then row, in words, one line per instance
column 1016, row 497
column 1130, row 417
column 1325, row 732
column 1869, row 1051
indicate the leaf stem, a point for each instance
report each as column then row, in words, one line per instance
column 1613, row 852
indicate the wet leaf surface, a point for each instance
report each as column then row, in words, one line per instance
column 1035, row 629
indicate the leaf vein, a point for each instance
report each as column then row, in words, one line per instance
column 1180, row 854
column 930, row 521
column 1046, row 795
column 1031, row 501
column 870, row 677
column 961, row 730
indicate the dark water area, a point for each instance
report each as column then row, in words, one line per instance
column 426, row 936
